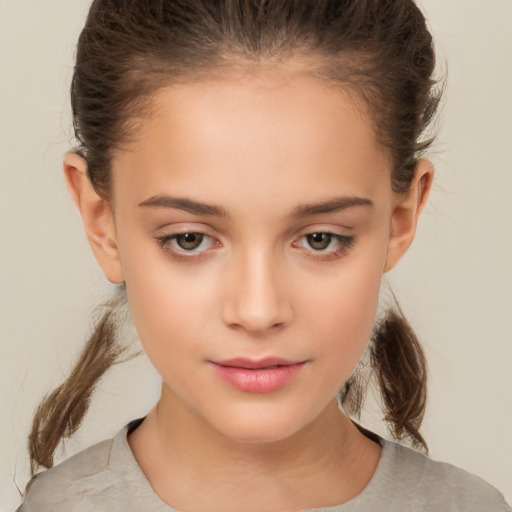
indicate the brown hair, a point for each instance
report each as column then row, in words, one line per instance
column 129, row 49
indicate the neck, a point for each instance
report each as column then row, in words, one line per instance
column 326, row 463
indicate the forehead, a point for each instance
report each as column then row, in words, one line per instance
column 272, row 130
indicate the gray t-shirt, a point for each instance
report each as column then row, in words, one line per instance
column 107, row 478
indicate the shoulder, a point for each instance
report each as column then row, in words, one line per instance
column 71, row 484
column 432, row 485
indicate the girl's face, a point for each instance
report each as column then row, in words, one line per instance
column 254, row 218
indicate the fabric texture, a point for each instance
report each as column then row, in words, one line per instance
column 106, row 477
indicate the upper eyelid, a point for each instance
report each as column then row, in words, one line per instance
column 207, row 228
column 179, row 228
column 162, row 233
column 173, row 236
column 336, row 236
column 332, row 228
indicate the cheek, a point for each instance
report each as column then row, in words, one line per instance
column 344, row 310
column 156, row 301
column 171, row 307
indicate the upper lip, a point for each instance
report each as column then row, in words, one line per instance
column 252, row 364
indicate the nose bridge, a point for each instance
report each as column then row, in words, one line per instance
column 257, row 299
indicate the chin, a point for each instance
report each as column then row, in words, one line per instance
column 261, row 428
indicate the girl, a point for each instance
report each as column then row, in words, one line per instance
column 246, row 172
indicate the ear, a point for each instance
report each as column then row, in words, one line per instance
column 96, row 216
column 406, row 211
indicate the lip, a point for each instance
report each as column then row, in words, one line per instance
column 257, row 375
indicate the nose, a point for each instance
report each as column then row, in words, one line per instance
column 257, row 298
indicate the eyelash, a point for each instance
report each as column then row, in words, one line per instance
column 344, row 242
column 165, row 242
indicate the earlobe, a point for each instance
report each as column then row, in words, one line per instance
column 96, row 216
column 406, row 211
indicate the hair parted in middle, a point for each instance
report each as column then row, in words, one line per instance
column 379, row 50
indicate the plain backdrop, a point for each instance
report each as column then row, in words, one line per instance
column 455, row 284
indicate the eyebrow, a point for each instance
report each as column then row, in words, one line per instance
column 199, row 208
column 331, row 205
column 181, row 203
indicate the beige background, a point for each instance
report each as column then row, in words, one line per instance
column 455, row 284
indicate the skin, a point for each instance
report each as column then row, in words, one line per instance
column 259, row 147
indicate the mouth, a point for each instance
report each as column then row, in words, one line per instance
column 256, row 364
column 257, row 375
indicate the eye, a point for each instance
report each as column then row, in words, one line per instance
column 189, row 241
column 319, row 241
column 324, row 244
column 186, row 245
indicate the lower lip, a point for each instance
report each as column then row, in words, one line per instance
column 260, row 380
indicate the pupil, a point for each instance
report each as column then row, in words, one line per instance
column 190, row 241
column 319, row 241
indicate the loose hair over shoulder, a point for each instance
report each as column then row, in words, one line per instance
column 381, row 50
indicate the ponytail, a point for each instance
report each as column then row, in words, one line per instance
column 401, row 371
column 60, row 414
column 394, row 356
column 398, row 364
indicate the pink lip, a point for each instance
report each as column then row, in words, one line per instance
column 257, row 376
